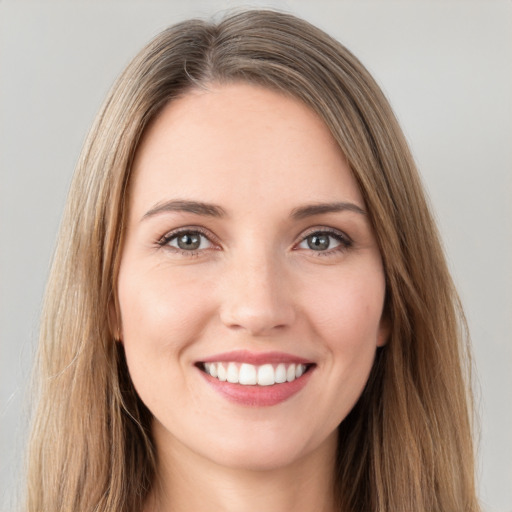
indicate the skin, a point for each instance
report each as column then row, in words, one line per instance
column 254, row 284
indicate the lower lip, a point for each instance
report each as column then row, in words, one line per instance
column 258, row 396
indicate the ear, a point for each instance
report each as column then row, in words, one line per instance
column 114, row 320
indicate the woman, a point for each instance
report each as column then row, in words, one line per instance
column 249, row 307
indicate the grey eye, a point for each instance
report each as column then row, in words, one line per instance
column 319, row 242
column 190, row 241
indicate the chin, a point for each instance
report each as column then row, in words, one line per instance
column 259, row 458
column 270, row 451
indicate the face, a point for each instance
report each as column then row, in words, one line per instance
column 251, row 286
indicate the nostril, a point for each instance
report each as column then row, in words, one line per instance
column 257, row 321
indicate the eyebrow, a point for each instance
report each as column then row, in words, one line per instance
column 310, row 210
column 213, row 210
column 181, row 205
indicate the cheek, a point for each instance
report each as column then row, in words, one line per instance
column 160, row 319
column 347, row 309
column 159, row 308
column 347, row 316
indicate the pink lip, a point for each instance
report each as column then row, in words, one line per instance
column 256, row 358
column 258, row 396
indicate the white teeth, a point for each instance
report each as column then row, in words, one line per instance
column 290, row 373
column 266, row 375
column 232, row 373
column 250, row 375
column 221, row 372
column 280, row 373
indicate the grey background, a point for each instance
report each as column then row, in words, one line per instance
column 446, row 68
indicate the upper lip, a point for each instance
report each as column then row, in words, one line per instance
column 256, row 358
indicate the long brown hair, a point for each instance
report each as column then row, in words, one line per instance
column 407, row 444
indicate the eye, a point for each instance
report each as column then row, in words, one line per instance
column 186, row 241
column 325, row 241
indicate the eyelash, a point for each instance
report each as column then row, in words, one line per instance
column 167, row 238
column 345, row 242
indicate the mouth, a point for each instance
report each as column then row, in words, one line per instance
column 247, row 374
column 256, row 379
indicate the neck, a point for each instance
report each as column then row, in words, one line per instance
column 191, row 482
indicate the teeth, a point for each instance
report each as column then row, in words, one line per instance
column 250, row 375
column 232, row 373
column 290, row 373
column 221, row 372
column 266, row 375
column 280, row 373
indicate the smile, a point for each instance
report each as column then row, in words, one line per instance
column 254, row 375
column 256, row 379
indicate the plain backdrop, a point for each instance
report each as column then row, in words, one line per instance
column 446, row 67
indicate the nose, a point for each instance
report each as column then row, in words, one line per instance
column 257, row 296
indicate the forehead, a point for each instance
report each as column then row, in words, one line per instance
column 240, row 144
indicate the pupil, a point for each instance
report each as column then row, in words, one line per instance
column 318, row 242
column 189, row 242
